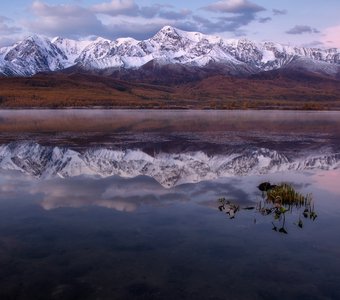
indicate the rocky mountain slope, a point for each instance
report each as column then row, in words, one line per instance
column 169, row 47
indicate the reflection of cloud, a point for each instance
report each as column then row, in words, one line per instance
column 50, row 203
column 128, row 195
column 117, row 205
column 328, row 180
column 116, row 193
column 7, row 188
column 121, row 194
column 13, row 182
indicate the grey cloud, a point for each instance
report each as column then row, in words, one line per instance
column 7, row 41
column 231, row 23
column 238, row 13
column 278, row 12
column 117, row 7
column 173, row 15
column 6, row 28
column 231, row 6
column 136, row 30
column 65, row 20
column 265, row 20
column 4, row 19
column 75, row 21
column 150, row 11
column 130, row 8
column 300, row 29
column 314, row 44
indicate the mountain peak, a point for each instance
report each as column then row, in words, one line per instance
column 168, row 28
column 170, row 46
column 57, row 39
column 38, row 39
column 168, row 32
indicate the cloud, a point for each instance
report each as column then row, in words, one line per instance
column 150, row 11
column 265, row 20
column 121, row 18
column 6, row 28
column 300, row 29
column 278, row 12
column 131, row 28
column 237, row 13
column 234, row 6
column 313, row 44
column 331, row 37
column 7, row 41
column 173, row 15
column 66, row 20
column 231, row 23
column 110, row 20
column 117, row 7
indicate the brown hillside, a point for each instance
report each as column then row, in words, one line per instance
column 263, row 91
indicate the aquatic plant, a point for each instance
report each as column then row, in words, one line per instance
column 228, row 207
column 285, row 194
column 277, row 201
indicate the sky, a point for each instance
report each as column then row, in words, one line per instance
column 310, row 23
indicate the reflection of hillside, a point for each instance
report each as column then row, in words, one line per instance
column 127, row 121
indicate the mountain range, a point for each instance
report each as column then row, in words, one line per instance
column 172, row 69
column 169, row 47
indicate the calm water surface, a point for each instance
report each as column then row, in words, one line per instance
column 129, row 235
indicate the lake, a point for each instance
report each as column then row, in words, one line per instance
column 127, row 204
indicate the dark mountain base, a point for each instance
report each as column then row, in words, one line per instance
column 269, row 90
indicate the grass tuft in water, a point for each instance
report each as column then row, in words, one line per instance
column 277, row 201
column 284, row 194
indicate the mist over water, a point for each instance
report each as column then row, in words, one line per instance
column 130, row 235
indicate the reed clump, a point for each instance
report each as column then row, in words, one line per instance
column 285, row 194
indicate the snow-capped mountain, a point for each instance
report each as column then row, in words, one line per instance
column 169, row 46
column 169, row 169
column 32, row 55
column 70, row 48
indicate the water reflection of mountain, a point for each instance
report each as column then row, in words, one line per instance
column 169, row 169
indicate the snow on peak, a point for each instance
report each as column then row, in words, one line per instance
column 168, row 46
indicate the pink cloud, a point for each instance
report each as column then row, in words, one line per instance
column 331, row 37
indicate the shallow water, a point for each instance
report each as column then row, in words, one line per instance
column 132, row 237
